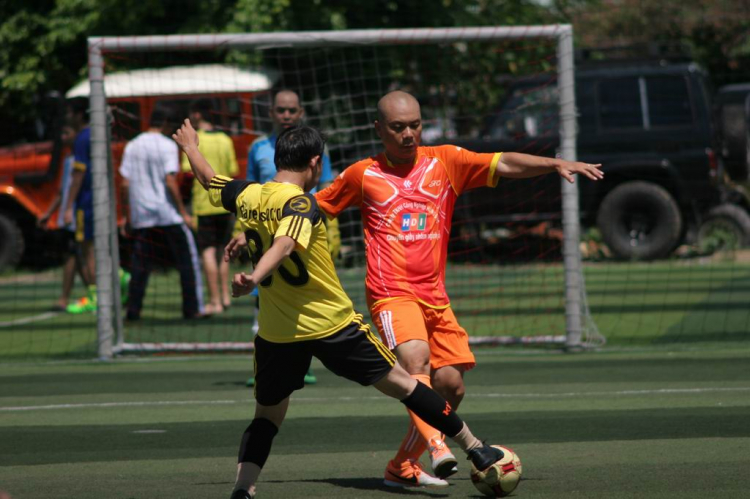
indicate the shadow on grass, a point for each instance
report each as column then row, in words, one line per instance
column 368, row 484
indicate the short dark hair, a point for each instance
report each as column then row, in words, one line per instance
column 203, row 106
column 161, row 116
column 79, row 105
column 296, row 146
column 276, row 92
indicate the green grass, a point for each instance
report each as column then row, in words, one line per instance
column 649, row 423
column 687, row 302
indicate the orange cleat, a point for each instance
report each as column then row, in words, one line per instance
column 410, row 474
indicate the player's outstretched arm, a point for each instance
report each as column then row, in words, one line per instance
column 519, row 165
column 187, row 138
column 281, row 248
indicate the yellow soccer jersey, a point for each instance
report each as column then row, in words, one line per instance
column 218, row 149
column 303, row 298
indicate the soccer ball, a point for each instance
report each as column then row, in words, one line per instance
column 501, row 478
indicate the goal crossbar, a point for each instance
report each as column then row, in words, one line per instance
column 322, row 38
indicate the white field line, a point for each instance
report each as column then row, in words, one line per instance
column 30, row 319
column 619, row 393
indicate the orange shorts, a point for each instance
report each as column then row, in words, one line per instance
column 402, row 320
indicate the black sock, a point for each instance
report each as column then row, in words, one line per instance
column 434, row 410
column 256, row 442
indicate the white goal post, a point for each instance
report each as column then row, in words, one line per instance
column 109, row 320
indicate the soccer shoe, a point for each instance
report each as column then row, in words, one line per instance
column 485, row 456
column 242, row 494
column 442, row 459
column 124, row 286
column 410, row 474
column 310, row 378
column 81, row 306
column 250, row 381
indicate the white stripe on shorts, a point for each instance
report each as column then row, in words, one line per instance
column 386, row 319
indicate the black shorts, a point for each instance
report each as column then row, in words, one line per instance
column 354, row 353
column 214, row 230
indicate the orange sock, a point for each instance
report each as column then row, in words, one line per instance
column 418, row 434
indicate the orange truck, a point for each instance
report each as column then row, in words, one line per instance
column 30, row 174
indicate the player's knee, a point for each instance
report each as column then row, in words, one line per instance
column 414, row 356
column 457, row 393
column 449, row 386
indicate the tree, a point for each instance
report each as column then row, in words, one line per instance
column 44, row 47
column 715, row 33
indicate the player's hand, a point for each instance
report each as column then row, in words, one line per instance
column 125, row 229
column 186, row 136
column 242, row 284
column 233, row 249
column 333, row 234
column 567, row 169
column 68, row 217
column 42, row 221
column 187, row 219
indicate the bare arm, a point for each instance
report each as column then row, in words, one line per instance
column 174, row 190
column 518, row 165
column 187, row 138
column 281, row 248
column 76, row 181
column 125, row 197
column 44, row 217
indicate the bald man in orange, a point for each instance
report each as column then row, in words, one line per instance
column 406, row 196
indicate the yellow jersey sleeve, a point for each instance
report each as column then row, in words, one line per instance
column 299, row 215
column 223, row 192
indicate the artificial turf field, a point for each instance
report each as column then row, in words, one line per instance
column 660, row 423
column 677, row 302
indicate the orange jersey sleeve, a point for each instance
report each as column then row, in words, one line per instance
column 345, row 191
column 468, row 170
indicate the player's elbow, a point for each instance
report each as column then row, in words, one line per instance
column 286, row 245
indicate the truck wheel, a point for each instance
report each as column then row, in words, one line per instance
column 726, row 227
column 11, row 243
column 640, row 221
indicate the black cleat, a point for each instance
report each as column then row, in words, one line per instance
column 485, row 456
column 241, row 494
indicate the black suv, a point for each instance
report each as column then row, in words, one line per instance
column 648, row 123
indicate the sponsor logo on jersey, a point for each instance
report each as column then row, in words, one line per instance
column 300, row 204
column 413, row 221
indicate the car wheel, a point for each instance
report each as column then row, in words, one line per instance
column 640, row 221
column 726, row 227
column 11, row 243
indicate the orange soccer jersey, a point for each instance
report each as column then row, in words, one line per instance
column 406, row 215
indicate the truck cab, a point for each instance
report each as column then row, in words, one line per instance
column 648, row 123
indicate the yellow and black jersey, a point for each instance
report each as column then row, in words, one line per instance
column 303, row 298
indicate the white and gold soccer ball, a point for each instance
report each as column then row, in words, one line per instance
column 501, row 478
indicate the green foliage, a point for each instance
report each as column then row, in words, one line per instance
column 44, row 42
column 715, row 33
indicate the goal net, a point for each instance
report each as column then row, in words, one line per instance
column 514, row 267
